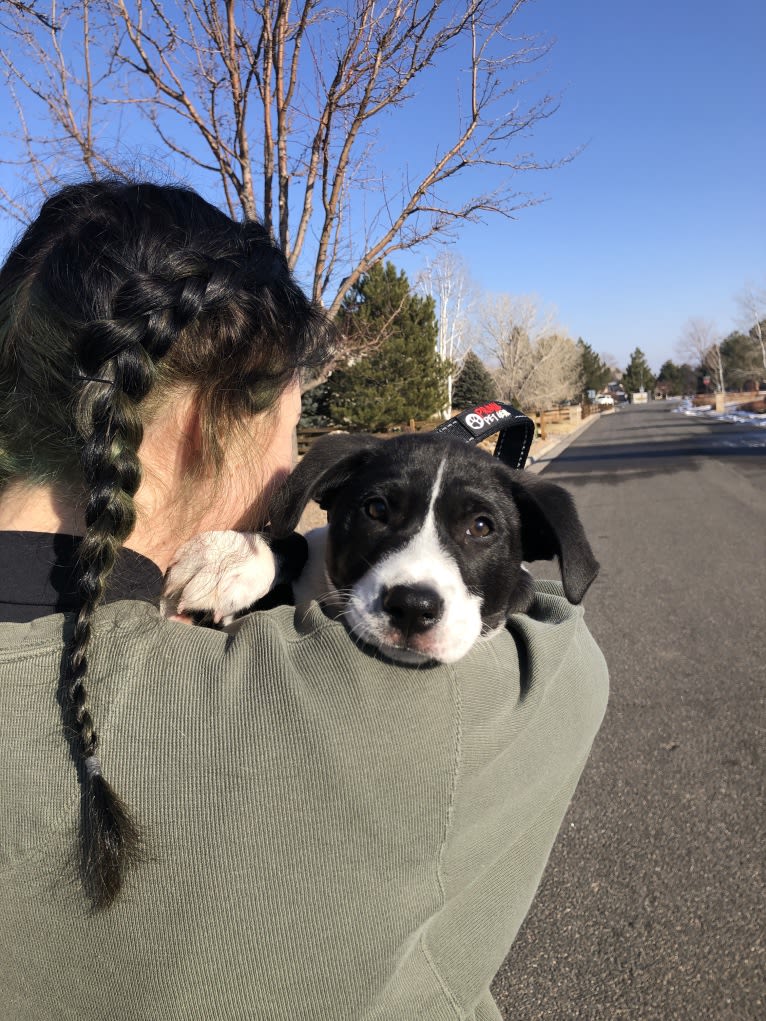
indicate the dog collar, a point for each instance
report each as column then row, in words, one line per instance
column 515, row 430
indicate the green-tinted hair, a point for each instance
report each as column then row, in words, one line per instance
column 115, row 296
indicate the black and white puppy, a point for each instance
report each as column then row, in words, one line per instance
column 422, row 554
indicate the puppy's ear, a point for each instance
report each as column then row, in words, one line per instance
column 551, row 527
column 330, row 462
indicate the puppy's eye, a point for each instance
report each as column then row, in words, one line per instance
column 377, row 509
column 480, row 528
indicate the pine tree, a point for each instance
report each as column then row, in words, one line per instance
column 638, row 376
column 402, row 376
column 741, row 361
column 315, row 407
column 474, row 385
column 595, row 372
column 677, row 379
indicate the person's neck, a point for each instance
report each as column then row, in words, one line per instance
column 47, row 508
column 43, row 508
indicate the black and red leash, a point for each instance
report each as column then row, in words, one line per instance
column 515, row 430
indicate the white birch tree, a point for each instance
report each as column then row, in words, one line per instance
column 700, row 343
column 445, row 278
column 752, row 305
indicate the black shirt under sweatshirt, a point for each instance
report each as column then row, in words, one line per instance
column 39, row 571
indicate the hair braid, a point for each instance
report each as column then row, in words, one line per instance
column 115, row 293
column 112, row 433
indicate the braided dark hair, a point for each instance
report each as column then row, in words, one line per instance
column 117, row 295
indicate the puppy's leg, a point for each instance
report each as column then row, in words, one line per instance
column 220, row 573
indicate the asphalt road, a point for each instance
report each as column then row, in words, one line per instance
column 653, row 903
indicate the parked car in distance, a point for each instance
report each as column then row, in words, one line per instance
column 605, row 399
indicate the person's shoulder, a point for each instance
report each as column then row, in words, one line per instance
column 543, row 661
column 544, row 664
column 535, row 647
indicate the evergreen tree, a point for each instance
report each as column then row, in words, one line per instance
column 742, row 363
column 638, row 376
column 678, row 379
column 315, row 407
column 595, row 372
column 474, row 384
column 401, row 376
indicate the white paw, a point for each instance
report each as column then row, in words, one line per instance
column 219, row 572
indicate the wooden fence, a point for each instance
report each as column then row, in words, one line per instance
column 720, row 400
column 307, row 436
column 549, row 422
column 557, row 420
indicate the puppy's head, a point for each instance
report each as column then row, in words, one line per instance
column 427, row 536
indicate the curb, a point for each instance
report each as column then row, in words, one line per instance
column 538, row 463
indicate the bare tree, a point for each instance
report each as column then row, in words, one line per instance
column 539, row 365
column 445, row 278
column 700, row 343
column 29, row 10
column 281, row 107
column 752, row 305
column 611, row 361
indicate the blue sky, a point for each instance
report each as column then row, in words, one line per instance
column 662, row 215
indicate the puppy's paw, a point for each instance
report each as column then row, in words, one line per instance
column 220, row 573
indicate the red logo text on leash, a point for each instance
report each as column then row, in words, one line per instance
column 485, row 416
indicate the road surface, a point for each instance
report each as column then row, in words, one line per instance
column 653, row 904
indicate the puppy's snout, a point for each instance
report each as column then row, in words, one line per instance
column 412, row 608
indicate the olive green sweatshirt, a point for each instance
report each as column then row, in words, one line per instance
column 327, row 835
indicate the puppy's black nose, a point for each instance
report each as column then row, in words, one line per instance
column 412, row 608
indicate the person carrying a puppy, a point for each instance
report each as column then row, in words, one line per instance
column 277, row 824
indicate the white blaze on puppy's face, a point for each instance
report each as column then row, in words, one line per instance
column 423, row 561
column 422, row 554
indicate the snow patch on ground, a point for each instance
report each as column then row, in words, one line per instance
column 732, row 414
